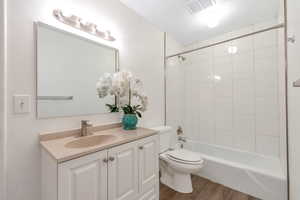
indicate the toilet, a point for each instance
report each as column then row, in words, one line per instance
column 176, row 165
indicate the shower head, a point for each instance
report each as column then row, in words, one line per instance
column 181, row 58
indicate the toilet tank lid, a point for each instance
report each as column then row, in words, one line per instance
column 162, row 129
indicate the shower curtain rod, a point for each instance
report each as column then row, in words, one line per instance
column 282, row 25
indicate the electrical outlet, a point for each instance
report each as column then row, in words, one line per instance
column 21, row 104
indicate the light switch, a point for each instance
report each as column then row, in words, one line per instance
column 21, row 104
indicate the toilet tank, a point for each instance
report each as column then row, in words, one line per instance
column 165, row 137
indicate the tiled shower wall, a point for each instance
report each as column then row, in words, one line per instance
column 234, row 100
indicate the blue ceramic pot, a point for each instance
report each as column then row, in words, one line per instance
column 129, row 121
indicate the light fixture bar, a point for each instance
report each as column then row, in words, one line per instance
column 78, row 23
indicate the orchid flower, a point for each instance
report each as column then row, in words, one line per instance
column 123, row 85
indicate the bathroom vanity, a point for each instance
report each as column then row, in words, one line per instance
column 110, row 164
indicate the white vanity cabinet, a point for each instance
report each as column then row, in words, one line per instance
column 125, row 172
column 83, row 178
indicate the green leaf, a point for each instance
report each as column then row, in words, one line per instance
column 129, row 109
column 112, row 107
column 139, row 114
column 108, row 105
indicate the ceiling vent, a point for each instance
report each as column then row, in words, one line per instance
column 195, row 6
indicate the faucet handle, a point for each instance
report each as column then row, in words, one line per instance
column 179, row 131
column 86, row 123
column 182, row 138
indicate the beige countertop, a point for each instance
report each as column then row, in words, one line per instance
column 55, row 143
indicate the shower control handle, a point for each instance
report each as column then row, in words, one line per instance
column 182, row 139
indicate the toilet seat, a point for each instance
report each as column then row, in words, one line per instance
column 184, row 156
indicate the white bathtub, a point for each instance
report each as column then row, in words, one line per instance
column 260, row 176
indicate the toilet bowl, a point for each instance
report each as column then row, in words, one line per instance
column 176, row 167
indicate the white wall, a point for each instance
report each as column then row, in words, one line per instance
column 172, row 46
column 2, row 101
column 141, row 51
column 293, row 28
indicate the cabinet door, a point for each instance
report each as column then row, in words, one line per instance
column 84, row 178
column 123, row 172
column 152, row 194
column 148, row 163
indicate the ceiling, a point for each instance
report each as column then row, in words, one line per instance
column 173, row 16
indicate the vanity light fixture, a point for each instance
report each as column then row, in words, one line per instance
column 87, row 26
column 77, row 22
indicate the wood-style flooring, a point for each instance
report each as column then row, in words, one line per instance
column 204, row 190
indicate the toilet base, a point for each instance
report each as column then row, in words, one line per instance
column 177, row 174
column 179, row 182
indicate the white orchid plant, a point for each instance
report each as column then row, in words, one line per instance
column 126, row 88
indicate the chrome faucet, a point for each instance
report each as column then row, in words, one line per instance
column 85, row 128
column 182, row 139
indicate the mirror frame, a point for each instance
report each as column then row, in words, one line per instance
column 42, row 24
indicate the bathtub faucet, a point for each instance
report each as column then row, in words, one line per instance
column 182, row 139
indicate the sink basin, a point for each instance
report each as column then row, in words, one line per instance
column 90, row 141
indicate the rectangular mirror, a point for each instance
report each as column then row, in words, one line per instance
column 68, row 67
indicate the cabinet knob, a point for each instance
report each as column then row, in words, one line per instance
column 105, row 160
column 141, row 147
column 111, row 158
